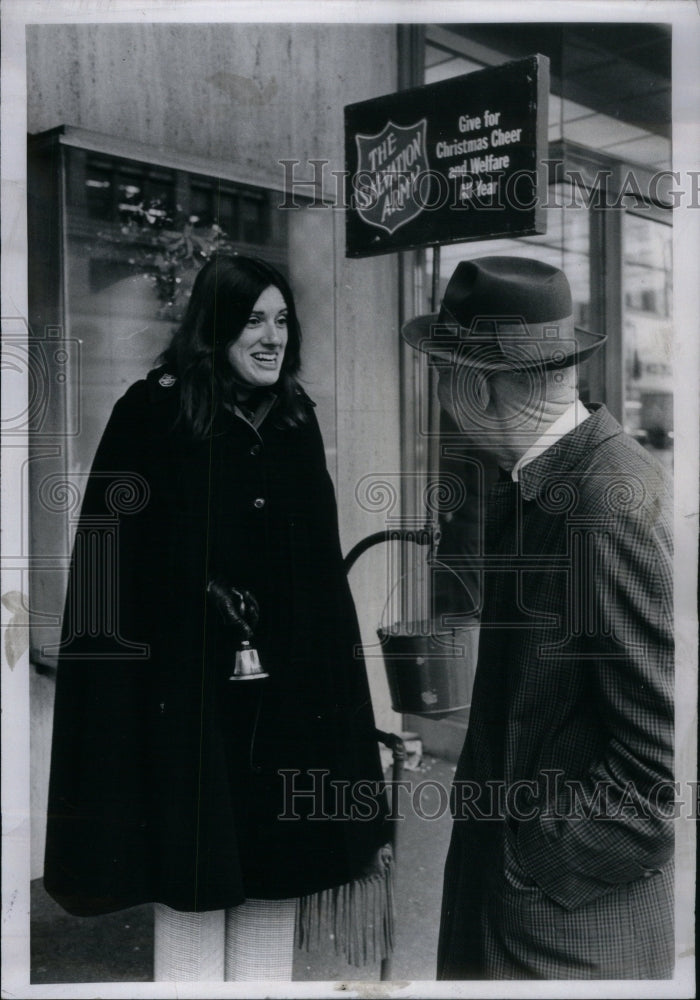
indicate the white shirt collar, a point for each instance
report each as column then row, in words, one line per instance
column 569, row 419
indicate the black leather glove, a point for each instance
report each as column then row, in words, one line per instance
column 238, row 608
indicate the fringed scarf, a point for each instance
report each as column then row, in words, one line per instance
column 359, row 916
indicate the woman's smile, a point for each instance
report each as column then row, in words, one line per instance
column 256, row 355
column 269, row 360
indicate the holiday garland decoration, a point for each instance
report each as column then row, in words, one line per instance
column 167, row 250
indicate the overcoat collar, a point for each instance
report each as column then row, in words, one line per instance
column 164, row 388
column 566, row 454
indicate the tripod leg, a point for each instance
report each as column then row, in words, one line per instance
column 398, row 757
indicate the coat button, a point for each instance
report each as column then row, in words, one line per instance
column 259, row 503
column 255, row 450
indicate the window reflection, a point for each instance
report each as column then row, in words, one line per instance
column 647, row 334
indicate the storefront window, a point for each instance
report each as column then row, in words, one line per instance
column 647, row 334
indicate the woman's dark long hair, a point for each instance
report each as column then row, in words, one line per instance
column 223, row 295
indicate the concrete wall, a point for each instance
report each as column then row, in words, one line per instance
column 246, row 93
column 249, row 96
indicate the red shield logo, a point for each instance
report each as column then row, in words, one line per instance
column 391, row 168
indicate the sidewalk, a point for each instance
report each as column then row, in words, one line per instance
column 119, row 947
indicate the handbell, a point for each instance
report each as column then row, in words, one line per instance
column 247, row 665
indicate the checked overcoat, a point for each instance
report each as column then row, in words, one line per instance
column 167, row 778
column 560, row 865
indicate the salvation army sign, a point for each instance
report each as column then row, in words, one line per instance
column 452, row 161
column 391, row 198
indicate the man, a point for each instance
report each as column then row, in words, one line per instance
column 560, row 865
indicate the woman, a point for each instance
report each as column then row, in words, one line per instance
column 209, row 507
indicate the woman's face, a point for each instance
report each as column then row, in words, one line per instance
column 256, row 354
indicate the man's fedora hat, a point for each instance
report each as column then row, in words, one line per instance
column 504, row 314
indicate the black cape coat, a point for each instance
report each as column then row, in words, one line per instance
column 168, row 779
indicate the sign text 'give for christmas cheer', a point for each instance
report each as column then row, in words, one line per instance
column 452, row 161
